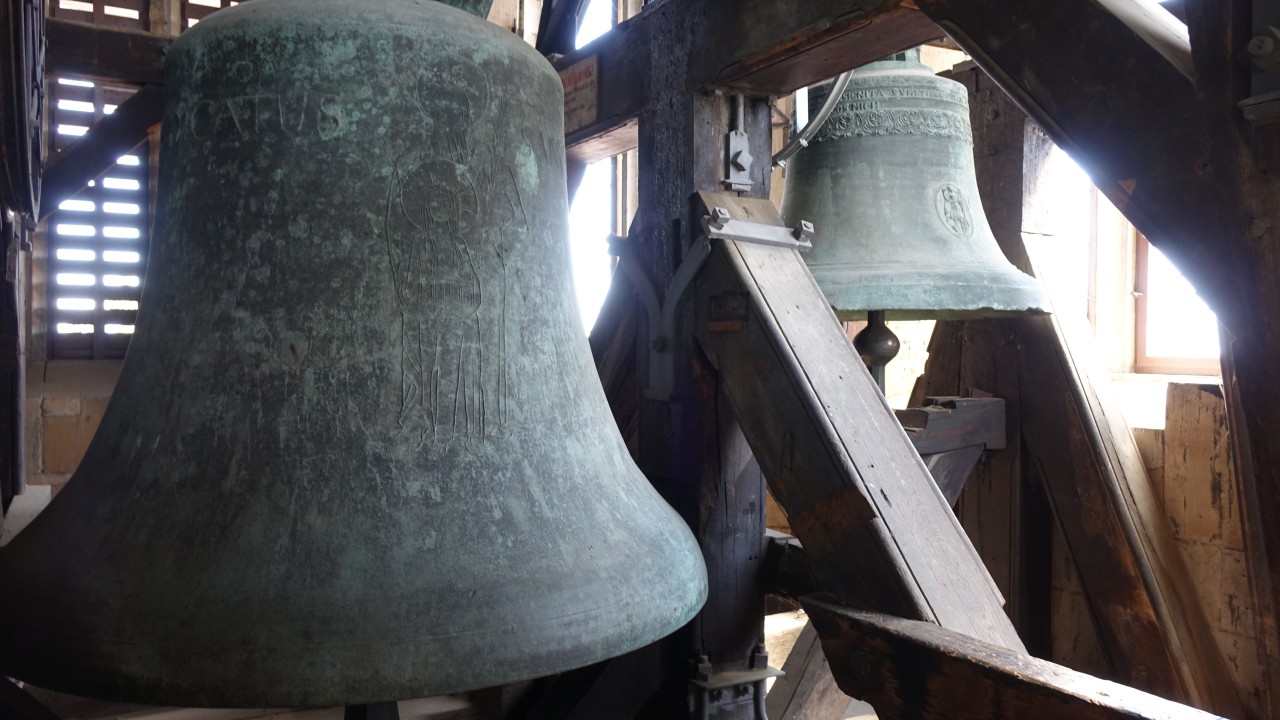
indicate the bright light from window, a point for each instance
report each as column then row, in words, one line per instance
column 589, row 221
column 72, row 129
column 1179, row 323
column 76, row 304
column 76, row 255
column 80, row 279
column 121, row 12
column 120, row 256
column 76, row 230
column 112, row 329
column 596, row 22
column 121, row 208
column 75, row 83
column 1063, row 259
column 77, row 205
column 119, row 304
column 120, row 280
column 121, row 233
column 127, row 160
column 75, row 329
column 75, row 106
column 120, row 183
column 591, row 216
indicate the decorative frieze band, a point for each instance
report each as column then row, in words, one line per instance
column 846, row 122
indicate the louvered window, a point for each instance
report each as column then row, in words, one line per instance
column 193, row 11
column 98, row 238
column 125, row 14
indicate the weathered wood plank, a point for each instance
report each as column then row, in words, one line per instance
column 1152, row 625
column 1262, row 581
column 835, row 457
column 775, row 47
column 917, row 670
column 950, row 423
column 124, row 56
column 1200, row 495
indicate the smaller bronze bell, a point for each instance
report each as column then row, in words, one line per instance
column 890, row 187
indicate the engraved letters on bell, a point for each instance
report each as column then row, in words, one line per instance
column 889, row 185
column 358, row 451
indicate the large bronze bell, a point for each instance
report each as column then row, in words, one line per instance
column 358, row 451
column 890, row 188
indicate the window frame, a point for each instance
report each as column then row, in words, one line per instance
column 1154, row 364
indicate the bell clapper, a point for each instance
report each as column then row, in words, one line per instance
column 877, row 345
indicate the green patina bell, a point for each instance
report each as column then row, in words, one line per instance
column 358, row 451
column 890, row 188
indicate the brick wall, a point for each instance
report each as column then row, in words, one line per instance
column 65, row 402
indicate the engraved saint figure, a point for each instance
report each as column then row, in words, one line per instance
column 447, row 272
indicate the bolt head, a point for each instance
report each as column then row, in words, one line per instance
column 1261, row 46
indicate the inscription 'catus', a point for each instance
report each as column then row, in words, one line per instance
column 310, row 115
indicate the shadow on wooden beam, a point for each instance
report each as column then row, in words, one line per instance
column 913, row 669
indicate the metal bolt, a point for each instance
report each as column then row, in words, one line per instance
column 803, row 231
column 1261, row 46
column 720, row 217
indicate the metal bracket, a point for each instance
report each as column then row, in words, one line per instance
column 723, row 226
column 713, row 694
column 661, row 313
column 737, row 150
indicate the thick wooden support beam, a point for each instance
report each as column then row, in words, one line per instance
column 771, row 47
column 916, row 670
column 134, row 58
column 874, row 526
column 1110, row 85
column 97, row 150
column 1137, row 585
column 761, row 47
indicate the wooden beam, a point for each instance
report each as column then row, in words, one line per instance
column 124, row 56
column 622, row 70
column 874, row 526
column 950, row 423
column 1136, row 582
column 770, row 47
column 96, row 151
column 760, row 47
column 917, row 670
